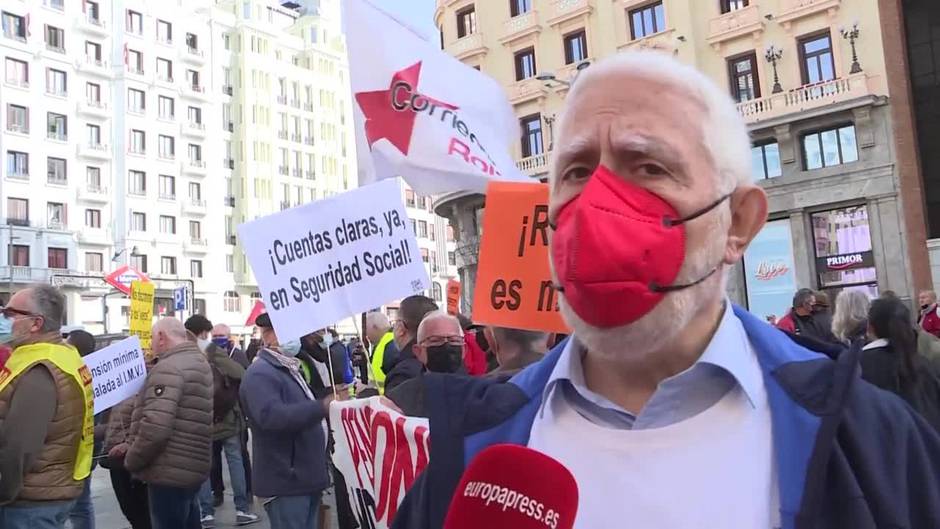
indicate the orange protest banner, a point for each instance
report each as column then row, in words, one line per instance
column 514, row 282
column 453, row 297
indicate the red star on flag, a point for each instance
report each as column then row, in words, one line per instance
column 383, row 120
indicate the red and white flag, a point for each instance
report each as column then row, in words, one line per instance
column 422, row 114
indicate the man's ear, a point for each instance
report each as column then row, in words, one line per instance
column 748, row 216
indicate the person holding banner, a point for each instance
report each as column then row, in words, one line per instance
column 664, row 387
column 288, row 438
column 46, row 414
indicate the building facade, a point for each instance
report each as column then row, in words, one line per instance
column 809, row 78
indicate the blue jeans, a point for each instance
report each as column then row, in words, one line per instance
column 236, row 470
column 294, row 512
column 47, row 516
column 173, row 507
column 83, row 513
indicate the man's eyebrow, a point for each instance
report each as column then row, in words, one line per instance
column 577, row 147
column 640, row 145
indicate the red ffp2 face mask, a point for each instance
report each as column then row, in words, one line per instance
column 617, row 250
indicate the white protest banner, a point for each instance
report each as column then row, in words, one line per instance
column 420, row 113
column 380, row 453
column 321, row 262
column 117, row 372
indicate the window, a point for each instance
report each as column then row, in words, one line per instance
column 531, row 135
column 92, row 11
column 816, row 62
column 17, row 119
column 56, row 82
column 58, row 258
column 93, row 93
column 422, row 229
column 192, row 42
column 17, row 164
column 93, row 178
column 138, row 142
column 452, row 258
column 195, row 268
column 422, row 202
column 138, row 221
column 17, row 72
column 195, row 153
column 728, row 6
column 93, row 51
column 424, row 254
column 842, row 240
column 94, row 135
column 135, row 60
column 136, row 100
column 195, row 191
column 765, row 160
column 56, row 170
column 164, row 32
column 56, row 127
column 14, row 26
column 135, row 22
column 576, row 47
column 744, row 82
column 94, row 262
column 17, row 211
column 168, row 265
column 55, row 38
column 409, row 198
column 195, row 115
column 195, row 230
column 167, row 224
column 139, row 262
column 192, row 77
column 55, row 214
column 93, row 218
column 166, row 146
column 166, row 106
column 525, row 64
column 19, row 255
column 164, row 69
column 167, row 186
column 231, row 302
column 647, row 20
column 450, row 233
column 830, row 147
column 466, row 22
column 138, row 182
column 519, row 7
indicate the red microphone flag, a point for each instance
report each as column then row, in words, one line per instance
column 514, row 487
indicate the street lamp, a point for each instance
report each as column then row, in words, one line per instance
column 117, row 255
column 852, row 34
column 549, row 78
column 773, row 54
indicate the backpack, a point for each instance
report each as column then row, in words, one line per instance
column 224, row 395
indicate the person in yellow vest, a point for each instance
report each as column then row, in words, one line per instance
column 379, row 332
column 46, row 414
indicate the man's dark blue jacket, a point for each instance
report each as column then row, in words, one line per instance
column 849, row 455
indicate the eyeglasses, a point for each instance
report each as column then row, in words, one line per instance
column 434, row 341
column 10, row 312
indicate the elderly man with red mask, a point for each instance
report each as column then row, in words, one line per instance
column 672, row 408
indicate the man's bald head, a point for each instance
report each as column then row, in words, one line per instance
column 167, row 334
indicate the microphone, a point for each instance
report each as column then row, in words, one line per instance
column 514, row 487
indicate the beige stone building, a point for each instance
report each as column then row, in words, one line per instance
column 809, row 77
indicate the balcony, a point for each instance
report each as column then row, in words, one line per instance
column 194, row 168
column 520, row 26
column 93, row 108
column 561, row 11
column 295, row 103
column 282, row 169
column 282, row 134
column 27, row 274
column 806, row 98
column 94, row 194
column 298, row 172
column 18, row 174
column 194, row 206
column 308, row 140
column 229, row 201
column 94, row 151
column 310, row 174
column 95, row 236
column 55, row 49
column 56, row 225
column 18, row 128
column 663, row 41
column 466, row 47
column 93, row 66
column 92, row 26
column 135, row 70
column 193, row 91
column 736, row 24
column 193, row 130
column 16, row 221
column 17, row 83
column 308, row 107
column 526, row 90
column 194, row 55
column 165, row 80
column 228, row 163
column 295, row 138
column 535, row 166
column 282, row 99
column 196, row 245
column 793, row 10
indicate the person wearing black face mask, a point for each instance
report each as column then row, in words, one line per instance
column 439, row 347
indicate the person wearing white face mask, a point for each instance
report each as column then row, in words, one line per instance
column 288, row 439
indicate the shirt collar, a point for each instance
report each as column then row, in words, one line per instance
column 874, row 344
column 729, row 349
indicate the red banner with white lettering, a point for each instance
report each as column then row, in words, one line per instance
column 380, row 452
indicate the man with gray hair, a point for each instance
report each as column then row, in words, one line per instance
column 664, row 388
column 515, row 349
column 46, row 414
column 380, row 335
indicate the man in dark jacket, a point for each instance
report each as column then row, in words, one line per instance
column 410, row 313
column 516, row 349
column 288, row 437
column 664, row 387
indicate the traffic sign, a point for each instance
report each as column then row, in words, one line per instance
column 179, row 298
column 122, row 277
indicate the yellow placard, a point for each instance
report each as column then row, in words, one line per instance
column 141, row 312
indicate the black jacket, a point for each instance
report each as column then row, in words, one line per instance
column 882, row 367
column 406, row 368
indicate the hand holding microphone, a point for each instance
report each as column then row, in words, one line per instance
column 514, row 487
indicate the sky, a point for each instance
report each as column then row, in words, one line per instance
column 418, row 13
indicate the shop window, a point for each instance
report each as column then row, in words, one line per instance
column 769, row 271
column 842, row 240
